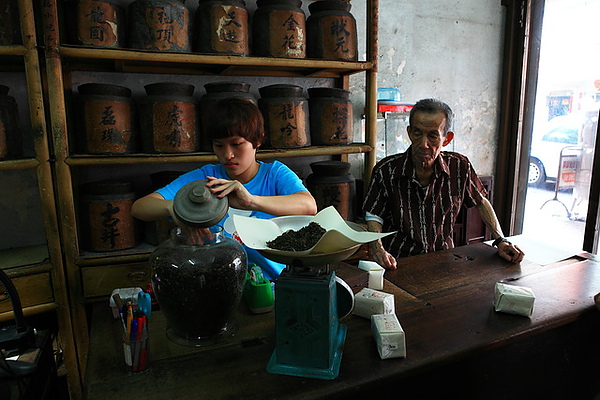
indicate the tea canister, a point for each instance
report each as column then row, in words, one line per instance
column 331, row 116
column 99, row 23
column 216, row 91
column 222, row 27
column 285, row 110
column 160, row 25
column 107, row 119
column 331, row 31
column 10, row 137
column 332, row 185
column 198, row 279
column 169, row 118
column 106, row 220
column 279, row 29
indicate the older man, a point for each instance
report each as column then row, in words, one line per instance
column 420, row 192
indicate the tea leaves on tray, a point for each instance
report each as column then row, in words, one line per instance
column 300, row 240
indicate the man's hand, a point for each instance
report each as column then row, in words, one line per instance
column 510, row 252
column 382, row 257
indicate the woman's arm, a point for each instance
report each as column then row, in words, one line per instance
column 152, row 207
column 299, row 203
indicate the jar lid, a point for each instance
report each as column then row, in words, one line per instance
column 330, row 168
column 326, row 5
column 328, row 92
column 196, row 206
column 169, row 88
column 107, row 89
column 293, row 3
column 281, row 90
column 216, row 87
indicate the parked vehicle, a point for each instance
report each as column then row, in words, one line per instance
column 544, row 159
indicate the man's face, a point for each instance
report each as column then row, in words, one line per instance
column 426, row 134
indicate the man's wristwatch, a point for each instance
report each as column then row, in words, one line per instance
column 500, row 239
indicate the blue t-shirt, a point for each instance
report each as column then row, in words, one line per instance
column 272, row 179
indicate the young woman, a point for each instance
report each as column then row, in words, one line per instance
column 254, row 188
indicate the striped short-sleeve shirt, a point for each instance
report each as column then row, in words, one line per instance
column 423, row 217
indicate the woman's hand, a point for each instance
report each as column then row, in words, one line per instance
column 238, row 195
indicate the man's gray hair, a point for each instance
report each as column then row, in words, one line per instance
column 433, row 106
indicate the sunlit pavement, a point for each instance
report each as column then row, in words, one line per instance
column 551, row 222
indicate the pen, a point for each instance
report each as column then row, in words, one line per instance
column 144, row 350
column 129, row 319
column 136, row 337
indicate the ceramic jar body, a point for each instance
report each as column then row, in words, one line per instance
column 331, row 31
column 169, row 118
column 99, row 23
column 160, row 25
column 199, row 285
column 285, row 111
column 332, row 185
column 106, row 220
column 222, row 27
column 107, row 114
column 279, row 29
column 331, row 116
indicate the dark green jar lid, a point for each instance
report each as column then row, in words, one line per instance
column 195, row 205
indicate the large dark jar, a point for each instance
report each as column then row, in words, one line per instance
column 198, row 283
column 10, row 137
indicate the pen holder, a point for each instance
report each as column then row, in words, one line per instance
column 135, row 349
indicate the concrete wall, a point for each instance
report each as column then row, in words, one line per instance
column 448, row 49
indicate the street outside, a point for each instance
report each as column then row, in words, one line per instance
column 548, row 220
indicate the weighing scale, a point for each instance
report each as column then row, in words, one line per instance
column 309, row 301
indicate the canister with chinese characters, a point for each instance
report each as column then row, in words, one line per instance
column 169, row 118
column 105, row 213
column 285, row 110
column 107, row 119
column 222, row 27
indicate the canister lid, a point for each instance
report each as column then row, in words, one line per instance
column 226, row 86
column 106, row 89
column 281, row 90
column 196, row 206
column 330, row 168
column 169, row 88
column 328, row 92
column 326, row 5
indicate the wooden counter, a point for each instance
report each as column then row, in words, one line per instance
column 456, row 343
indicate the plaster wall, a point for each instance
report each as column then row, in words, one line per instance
column 450, row 50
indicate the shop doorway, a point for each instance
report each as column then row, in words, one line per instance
column 565, row 123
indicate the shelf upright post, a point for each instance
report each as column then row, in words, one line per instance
column 66, row 209
column 371, row 88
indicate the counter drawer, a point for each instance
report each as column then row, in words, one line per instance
column 102, row 280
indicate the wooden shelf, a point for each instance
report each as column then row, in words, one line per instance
column 144, row 158
column 142, row 61
column 27, row 163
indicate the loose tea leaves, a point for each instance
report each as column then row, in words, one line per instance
column 300, row 240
